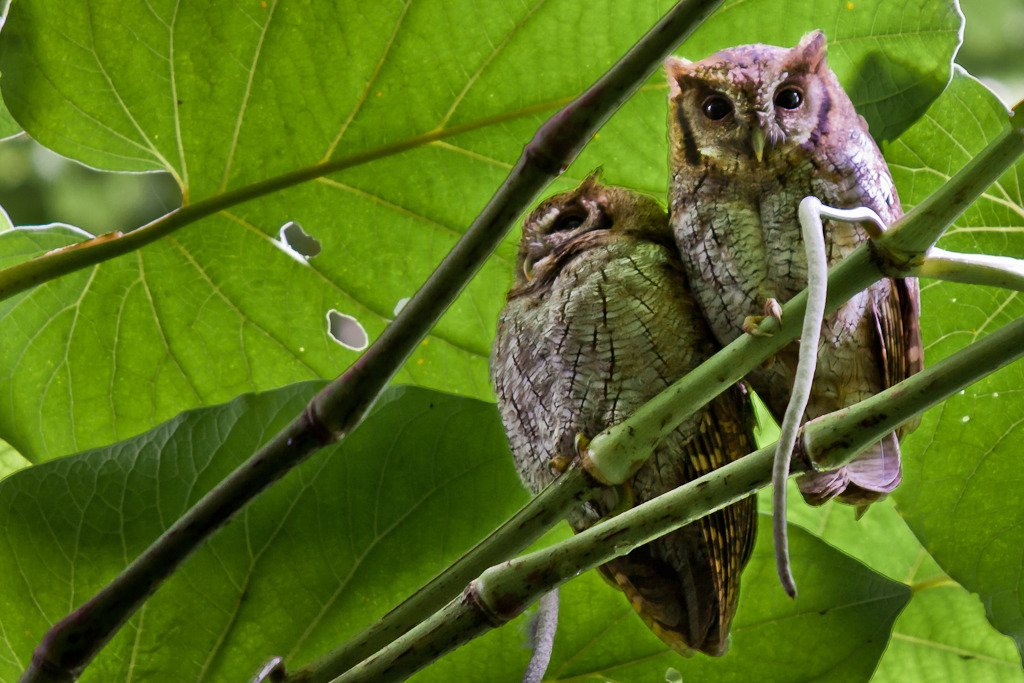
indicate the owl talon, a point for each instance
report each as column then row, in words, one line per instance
column 559, row 464
column 772, row 309
column 752, row 326
column 624, row 499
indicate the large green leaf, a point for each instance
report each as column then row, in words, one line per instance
column 348, row 534
column 8, row 126
column 963, row 494
column 10, row 460
column 835, row 630
column 942, row 635
column 333, row 545
column 225, row 94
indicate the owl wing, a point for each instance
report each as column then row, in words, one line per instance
column 894, row 312
column 584, row 352
column 685, row 584
column 625, row 328
column 616, row 327
column 897, row 324
column 897, row 314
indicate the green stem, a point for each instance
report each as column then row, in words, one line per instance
column 829, row 440
column 541, row 513
column 69, row 646
column 896, row 253
column 611, row 451
column 503, row 592
column 60, row 262
column 973, row 269
column 908, row 239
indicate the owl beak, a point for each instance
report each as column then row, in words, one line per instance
column 757, row 143
column 528, row 269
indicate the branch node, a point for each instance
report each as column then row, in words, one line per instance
column 316, row 423
column 474, row 596
column 539, row 152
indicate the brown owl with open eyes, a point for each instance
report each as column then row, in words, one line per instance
column 753, row 130
column 599, row 320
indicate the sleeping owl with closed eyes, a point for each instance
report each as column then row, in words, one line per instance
column 599, row 321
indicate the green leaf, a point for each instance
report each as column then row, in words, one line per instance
column 836, row 629
column 10, row 460
column 942, row 634
column 963, row 494
column 222, row 95
column 8, row 126
column 346, row 536
column 336, row 543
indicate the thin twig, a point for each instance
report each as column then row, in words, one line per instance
column 526, row 526
column 973, row 269
column 74, row 641
column 830, row 441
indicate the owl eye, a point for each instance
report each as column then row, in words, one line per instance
column 568, row 221
column 789, row 98
column 717, row 107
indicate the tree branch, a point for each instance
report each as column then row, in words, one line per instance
column 906, row 242
column 74, row 641
column 543, row 511
column 895, row 253
column 615, row 454
column 973, row 269
column 503, row 592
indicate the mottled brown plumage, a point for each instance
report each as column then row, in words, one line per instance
column 599, row 320
column 753, row 130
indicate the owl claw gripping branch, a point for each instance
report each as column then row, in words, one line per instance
column 602, row 323
column 752, row 131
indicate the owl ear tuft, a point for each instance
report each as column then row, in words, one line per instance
column 674, row 68
column 592, row 180
column 812, row 48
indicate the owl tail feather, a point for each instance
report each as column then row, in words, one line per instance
column 680, row 608
column 867, row 478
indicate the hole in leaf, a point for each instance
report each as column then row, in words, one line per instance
column 400, row 305
column 294, row 241
column 347, row 331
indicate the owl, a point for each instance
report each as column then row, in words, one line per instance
column 753, row 130
column 598, row 321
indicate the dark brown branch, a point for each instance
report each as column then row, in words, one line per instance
column 73, row 642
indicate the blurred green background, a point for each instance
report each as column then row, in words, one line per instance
column 39, row 187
